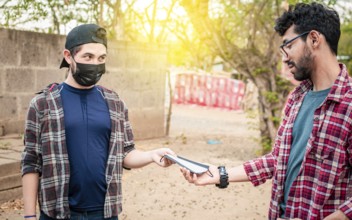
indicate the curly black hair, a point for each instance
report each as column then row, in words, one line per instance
column 314, row 16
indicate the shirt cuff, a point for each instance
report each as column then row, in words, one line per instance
column 128, row 149
column 346, row 208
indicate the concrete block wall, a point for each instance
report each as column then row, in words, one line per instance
column 29, row 61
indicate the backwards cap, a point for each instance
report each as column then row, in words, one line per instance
column 84, row 34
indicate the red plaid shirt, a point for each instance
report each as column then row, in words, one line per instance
column 324, row 182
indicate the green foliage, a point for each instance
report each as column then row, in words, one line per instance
column 266, row 146
column 259, row 71
column 345, row 45
column 49, row 16
column 276, row 120
column 327, row 2
column 271, row 97
column 14, row 10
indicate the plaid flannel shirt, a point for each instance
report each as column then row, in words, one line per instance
column 46, row 151
column 324, row 182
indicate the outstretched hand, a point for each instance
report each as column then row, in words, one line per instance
column 158, row 157
column 202, row 179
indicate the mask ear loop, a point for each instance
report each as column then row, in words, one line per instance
column 73, row 59
column 210, row 174
column 162, row 158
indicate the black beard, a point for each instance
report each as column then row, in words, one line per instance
column 304, row 66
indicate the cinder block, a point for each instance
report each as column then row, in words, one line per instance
column 10, row 153
column 116, row 58
column 9, row 106
column 151, row 59
column 160, row 78
column 132, row 99
column 162, row 64
column 149, row 99
column 8, row 167
column 10, row 56
column 145, row 81
column 19, row 80
column 13, row 126
column 134, row 68
column 134, row 59
column 114, row 79
column 134, row 78
column 54, row 50
column 24, row 101
column 48, row 76
column 2, row 81
column 10, row 181
column 11, row 194
column 34, row 48
column 33, row 54
column 2, row 130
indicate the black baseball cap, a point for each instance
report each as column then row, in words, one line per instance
column 84, row 34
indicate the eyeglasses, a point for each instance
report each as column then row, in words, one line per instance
column 282, row 47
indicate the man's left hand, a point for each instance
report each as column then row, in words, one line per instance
column 157, row 154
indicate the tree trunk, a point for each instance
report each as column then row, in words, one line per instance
column 255, row 63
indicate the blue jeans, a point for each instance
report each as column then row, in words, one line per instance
column 97, row 215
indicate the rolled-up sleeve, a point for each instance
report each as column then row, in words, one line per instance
column 128, row 135
column 31, row 156
column 260, row 169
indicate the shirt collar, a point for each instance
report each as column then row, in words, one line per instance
column 341, row 85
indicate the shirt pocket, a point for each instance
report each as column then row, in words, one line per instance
column 321, row 153
column 328, row 162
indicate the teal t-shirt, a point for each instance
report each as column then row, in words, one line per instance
column 302, row 129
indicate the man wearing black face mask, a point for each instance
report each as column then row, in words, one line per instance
column 78, row 138
column 87, row 71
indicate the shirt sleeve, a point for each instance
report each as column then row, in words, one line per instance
column 31, row 156
column 263, row 168
column 128, row 135
column 346, row 207
column 260, row 169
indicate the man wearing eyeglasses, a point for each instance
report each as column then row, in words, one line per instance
column 310, row 163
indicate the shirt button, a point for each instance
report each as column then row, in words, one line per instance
column 316, row 119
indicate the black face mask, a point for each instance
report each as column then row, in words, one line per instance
column 88, row 74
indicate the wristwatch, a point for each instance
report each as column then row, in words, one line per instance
column 224, row 178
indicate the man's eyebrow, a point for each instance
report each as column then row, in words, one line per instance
column 87, row 53
column 92, row 54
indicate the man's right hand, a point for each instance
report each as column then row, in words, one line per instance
column 202, row 179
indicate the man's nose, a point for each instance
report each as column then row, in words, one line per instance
column 284, row 58
column 96, row 61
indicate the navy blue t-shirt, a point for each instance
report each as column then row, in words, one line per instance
column 87, row 127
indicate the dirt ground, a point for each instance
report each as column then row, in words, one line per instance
column 207, row 135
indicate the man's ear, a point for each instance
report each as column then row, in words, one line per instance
column 67, row 56
column 315, row 38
